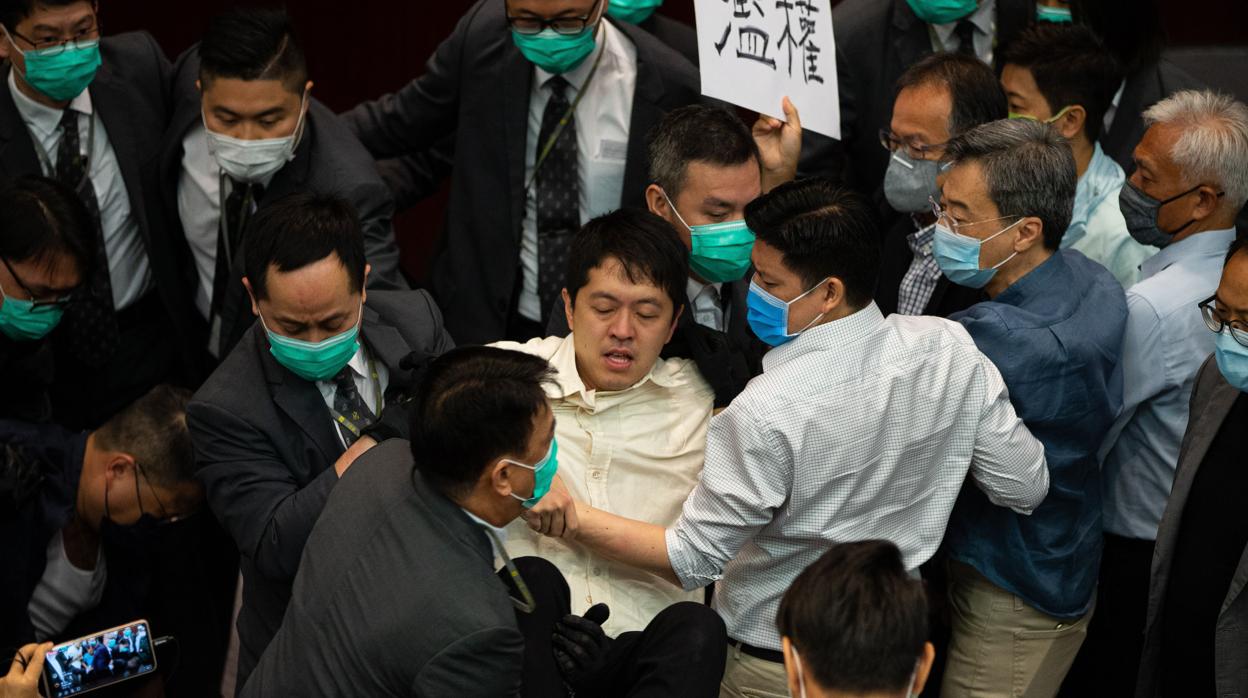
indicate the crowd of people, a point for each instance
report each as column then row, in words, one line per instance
column 689, row 406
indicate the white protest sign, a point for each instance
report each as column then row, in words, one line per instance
column 753, row 53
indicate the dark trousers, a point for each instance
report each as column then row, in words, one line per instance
column 680, row 653
column 1109, row 661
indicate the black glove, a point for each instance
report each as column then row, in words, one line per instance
column 580, row 645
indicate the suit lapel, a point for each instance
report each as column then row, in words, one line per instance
column 647, row 110
column 300, row 400
column 109, row 99
column 387, row 346
column 912, row 40
column 516, row 75
column 17, row 151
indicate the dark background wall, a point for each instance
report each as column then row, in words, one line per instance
column 360, row 49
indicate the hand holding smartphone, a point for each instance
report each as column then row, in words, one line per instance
column 100, row 659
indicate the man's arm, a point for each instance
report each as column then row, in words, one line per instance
column 1141, row 371
column 1007, row 463
column 375, row 208
column 487, row 663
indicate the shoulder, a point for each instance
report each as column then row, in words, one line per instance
column 1178, row 287
column 852, row 16
column 544, row 347
column 682, row 375
column 407, row 309
column 1094, row 276
column 235, row 383
column 664, row 62
column 340, row 162
column 131, row 47
column 380, row 477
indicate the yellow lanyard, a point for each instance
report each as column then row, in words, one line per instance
column 348, row 424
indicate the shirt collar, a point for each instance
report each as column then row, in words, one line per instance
column 500, row 532
column 920, row 240
column 43, row 119
column 838, row 333
column 694, row 288
column 1208, row 243
column 982, row 19
column 569, row 378
column 578, row 75
column 1034, row 282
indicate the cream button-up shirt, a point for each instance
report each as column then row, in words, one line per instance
column 636, row 453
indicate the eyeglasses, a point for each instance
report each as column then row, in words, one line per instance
column 567, row 26
column 1216, row 322
column 55, row 47
column 918, row 151
column 943, row 217
column 37, row 305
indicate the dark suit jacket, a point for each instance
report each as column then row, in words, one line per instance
column 676, row 35
column 876, row 40
column 26, row 372
column 947, row 298
column 396, row 596
column 328, row 160
column 265, row 446
column 477, row 85
column 1212, row 399
column 1144, row 88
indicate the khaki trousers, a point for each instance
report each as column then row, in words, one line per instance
column 1003, row 647
column 751, row 677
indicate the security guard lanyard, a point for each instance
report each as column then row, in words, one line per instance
column 347, row 423
column 563, row 121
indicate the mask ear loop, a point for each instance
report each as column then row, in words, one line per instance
column 801, row 679
column 674, row 210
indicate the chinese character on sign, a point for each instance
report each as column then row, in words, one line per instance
column 752, row 41
column 800, row 45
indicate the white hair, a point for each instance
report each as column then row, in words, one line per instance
column 1213, row 144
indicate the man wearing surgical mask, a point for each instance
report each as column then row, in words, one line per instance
column 84, row 109
column 549, row 103
column 245, row 131
column 938, row 98
column 314, row 382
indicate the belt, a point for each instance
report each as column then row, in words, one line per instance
column 758, row 652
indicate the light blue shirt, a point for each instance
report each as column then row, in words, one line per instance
column 1165, row 343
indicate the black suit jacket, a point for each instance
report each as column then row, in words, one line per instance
column 265, row 445
column 1144, row 88
column 678, row 36
column 947, row 298
column 876, row 40
column 396, row 596
column 328, row 160
column 131, row 94
column 477, row 86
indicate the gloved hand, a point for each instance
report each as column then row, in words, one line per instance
column 580, row 645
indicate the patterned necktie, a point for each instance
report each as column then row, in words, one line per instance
column 353, row 415
column 90, row 321
column 558, row 197
column 234, row 216
column 965, row 31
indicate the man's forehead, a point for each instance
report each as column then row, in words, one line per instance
column 706, row 180
column 612, row 277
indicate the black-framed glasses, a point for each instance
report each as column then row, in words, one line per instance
column 568, row 26
column 55, row 47
column 917, row 151
column 36, row 304
column 1216, row 321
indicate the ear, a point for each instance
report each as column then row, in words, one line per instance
column 675, row 323
column 1031, row 233
column 500, row 478
column 118, row 465
column 1071, row 123
column 833, row 294
column 567, row 310
column 1208, row 203
column 255, row 306
column 307, row 89
column 657, row 203
column 364, row 287
column 790, row 667
column 6, row 48
column 924, row 668
column 199, row 87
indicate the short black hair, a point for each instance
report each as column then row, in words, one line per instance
column 823, row 230
column 13, row 12
column 153, row 430
column 1071, row 67
column 253, row 43
column 646, row 246
column 300, row 229
column 974, row 91
column 44, row 221
column 1239, row 244
column 858, row 621
column 697, row 133
column 473, row 406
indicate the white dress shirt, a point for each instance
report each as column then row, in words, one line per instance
column 865, row 427
column 371, row 392
column 602, row 125
column 64, row 591
column 128, row 269
column 636, row 453
column 708, row 304
column 984, row 18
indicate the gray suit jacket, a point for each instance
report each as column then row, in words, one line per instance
column 396, row 596
column 1212, row 398
column 265, row 446
column 476, row 86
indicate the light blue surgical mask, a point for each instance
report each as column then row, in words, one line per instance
column 314, row 361
column 633, row 11
column 942, row 11
column 1060, row 15
column 543, row 475
column 554, row 52
column 61, row 72
column 957, row 256
column 768, row 316
column 720, row 251
column 21, row 321
column 1232, row 358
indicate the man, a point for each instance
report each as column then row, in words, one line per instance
column 372, row 616
column 318, row 372
column 855, row 624
column 938, row 98
column 1197, row 611
column 631, row 426
column 245, row 132
column 1053, row 327
column 82, row 109
column 705, row 166
column 47, row 247
column 87, row 516
column 859, row 427
column 876, row 42
column 1062, row 75
column 512, row 71
column 1188, row 184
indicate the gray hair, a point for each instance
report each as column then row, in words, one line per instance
column 1213, row 145
column 1029, row 170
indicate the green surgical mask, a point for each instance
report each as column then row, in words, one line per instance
column 721, row 251
column 942, row 11
column 314, row 361
column 22, row 322
column 554, row 52
column 633, row 11
column 64, row 74
column 1059, row 15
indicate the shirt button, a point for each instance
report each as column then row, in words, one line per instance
column 597, row 475
column 597, row 571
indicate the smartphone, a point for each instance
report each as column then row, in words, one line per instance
column 99, row 659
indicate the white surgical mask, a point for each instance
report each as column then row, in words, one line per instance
column 252, row 161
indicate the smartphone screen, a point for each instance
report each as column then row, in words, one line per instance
column 98, row 660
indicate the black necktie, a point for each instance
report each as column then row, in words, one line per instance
column 90, row 321
column 558, row 197
column 234, row 216
column 353, row 415
column 965, row 31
